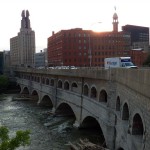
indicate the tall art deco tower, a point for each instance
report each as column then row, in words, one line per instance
column 22, row 47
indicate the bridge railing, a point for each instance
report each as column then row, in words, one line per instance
column 136, row 79
column 95, row 72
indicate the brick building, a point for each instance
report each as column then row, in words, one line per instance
column 109, row 44
column 138, row 56
column 68, row 48
column 77, row 47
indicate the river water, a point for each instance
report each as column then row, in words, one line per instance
column 47, row 132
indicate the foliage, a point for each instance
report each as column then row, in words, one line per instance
column 22, row 138
column 3, row 81
column 147, row 61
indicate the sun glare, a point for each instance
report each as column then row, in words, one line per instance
column 101, row 27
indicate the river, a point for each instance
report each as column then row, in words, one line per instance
column 47, row 132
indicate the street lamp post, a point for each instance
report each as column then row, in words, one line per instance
column 90, row 50
column 90, row 53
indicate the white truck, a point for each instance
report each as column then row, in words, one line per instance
column 118, row 62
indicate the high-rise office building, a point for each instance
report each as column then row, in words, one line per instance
column 140, row 48
column 22, row 46
column 139, row 36
column 138, row 33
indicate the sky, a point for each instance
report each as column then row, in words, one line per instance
column 55, row 15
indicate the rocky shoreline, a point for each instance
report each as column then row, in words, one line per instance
column 85, row 145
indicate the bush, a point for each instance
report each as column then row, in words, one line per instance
column 22, row 138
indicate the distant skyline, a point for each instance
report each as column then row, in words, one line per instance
column 55, row 15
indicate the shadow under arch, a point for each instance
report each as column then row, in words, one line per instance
column 118, row 104
column 35, row 95
column 91, row 125
column 93, row 93
column 86, row 90
column 66, row 85
column 25, row 91
column 137, row 126
column 125, row 112
column 18, row 88
column 65, row 110
column 15, row 87
column 46, row 101
column 59, row 84
column 103, row 96
column 120, row 148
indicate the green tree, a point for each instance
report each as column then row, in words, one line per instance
column 4, row 81
column 22, row 138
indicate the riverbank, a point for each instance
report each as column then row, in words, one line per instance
column 85, row 145
column 12, row 88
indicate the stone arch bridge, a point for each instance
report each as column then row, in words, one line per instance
column 116, row 99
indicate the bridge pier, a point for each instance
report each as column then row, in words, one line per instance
column 53, row 110
column 76, row 124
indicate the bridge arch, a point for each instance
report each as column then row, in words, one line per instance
column 93, row 93
column 65, row 109
column 47, row 81
column 92, row 124
column 46, row 101
column 66, row 85
column 35, row 95
column 52, row 82
column 125, row 112
column 86, row 90
column 34, row 78
column 137, row 125
column 103, row 96
column 118, row 104
column 19, row 88
column 25, row 90
column 74, row 86
column 43, row 80
column 38, row 79
column 59, row 85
